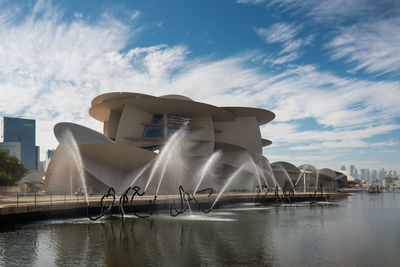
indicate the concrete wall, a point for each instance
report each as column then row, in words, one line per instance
column 131, row 125
column 243, row 132
column 202, row 130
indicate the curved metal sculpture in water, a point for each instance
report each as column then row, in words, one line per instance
column 314, row 199
column 124, row 199
column 288, row 196
column 375, row 189
column 185, row 196
column 104, row 209
column 265, row 190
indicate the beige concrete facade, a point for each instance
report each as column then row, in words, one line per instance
column 138, row 126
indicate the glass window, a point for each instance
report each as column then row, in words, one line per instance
column 153, row 131
column 157, row 119
column 178, row 120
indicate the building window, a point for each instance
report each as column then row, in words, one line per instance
column 153, row 131
column 157, row 119
column 178, row 120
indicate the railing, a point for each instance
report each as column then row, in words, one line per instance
column 41, row 199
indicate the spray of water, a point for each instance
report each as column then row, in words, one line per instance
column 271, row 174
column 287, row 176
column 72, row 147
column 162, row 160
column 206, row 168
column 258, row 172
column 316, row 180
column 229, row 181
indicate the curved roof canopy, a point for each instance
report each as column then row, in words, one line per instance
column 80, row 134
column 328, row 172
column 180, row 97
column 279, row 165
column 263, row 116
column 308, row 167
column 33, row 177
column 156, row 105
column 115, row 95
column 171, row 104
column 266, row 142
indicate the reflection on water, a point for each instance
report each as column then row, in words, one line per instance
column 363, row 230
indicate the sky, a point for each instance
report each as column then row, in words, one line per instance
column 329, row 70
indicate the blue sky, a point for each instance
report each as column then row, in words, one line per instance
column 329, row 70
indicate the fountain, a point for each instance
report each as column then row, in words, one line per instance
column 72, row 147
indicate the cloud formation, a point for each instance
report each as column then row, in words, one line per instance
column 373, row 47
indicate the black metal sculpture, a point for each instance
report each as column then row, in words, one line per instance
column 375, row 189
column 104, row 209
column 188, row 198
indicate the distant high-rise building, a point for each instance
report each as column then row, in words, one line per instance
column 37, row 151
column 382, row 173
column 362, row 174
column 374, row 175
column 24, row 132
column 12, row 148
column 343, row 168
column 355, row 173
column 367, row 175
column 42, row 166
column 352, row 171
column 395, row 173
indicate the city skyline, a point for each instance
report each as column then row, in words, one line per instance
column 328, row 70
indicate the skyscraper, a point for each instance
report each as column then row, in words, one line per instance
column 342, row 168
column 24, row 132
column 367, row 175
column 352, row 172
column 374, row 175
column 363, row 174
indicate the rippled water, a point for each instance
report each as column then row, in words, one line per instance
column 361, row 231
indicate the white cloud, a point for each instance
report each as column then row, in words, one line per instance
column 373, row 47
column 343, row 144
column 328, row 10
column 135, row 14
column 290, row 133
column 252, row 2
column 286, row 35
column 278, row 32
column 78, row 15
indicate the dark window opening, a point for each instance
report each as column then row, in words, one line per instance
column 157, row 119
column 153, row 131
